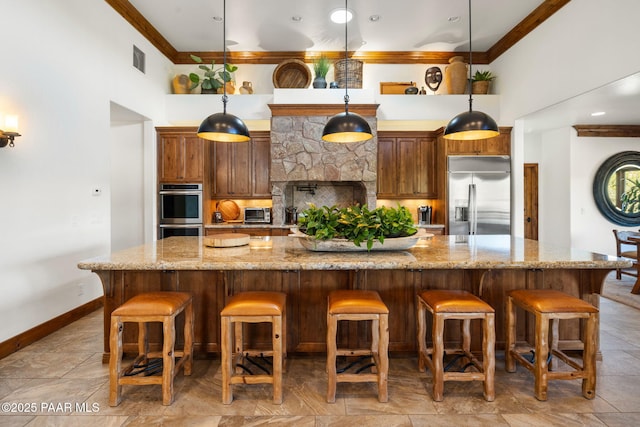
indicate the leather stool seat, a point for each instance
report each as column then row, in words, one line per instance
column 357, row 305
column 143, row 309
column 460, row 305
column 548, row 305
column 253, row 307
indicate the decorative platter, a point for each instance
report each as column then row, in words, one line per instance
column 292, row 73
column 344, row 245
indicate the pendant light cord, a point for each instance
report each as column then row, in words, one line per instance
column 224, row 57
column 470, row 85
column 346, row 61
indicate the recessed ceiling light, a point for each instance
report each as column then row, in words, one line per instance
column 453, row 18
column 217, row 18
column 598, row 113
column 342, row 15
column 374, row 18
column 296, row 18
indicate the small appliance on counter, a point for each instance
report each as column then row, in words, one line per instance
column 424, row 215
column 257, row 215
column 291, row 215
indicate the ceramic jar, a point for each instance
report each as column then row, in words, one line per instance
column 181, row 84
column 455, row 75
column 246, row 88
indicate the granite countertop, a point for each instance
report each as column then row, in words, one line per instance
column 233, row 225
column 286, row 253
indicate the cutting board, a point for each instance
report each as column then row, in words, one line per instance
column 229, row 209
column 226, row 240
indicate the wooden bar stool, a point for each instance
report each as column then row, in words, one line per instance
column 461, row 305
column 253, row 307
column 358, row 305
column 550, row 305
column 142, row 309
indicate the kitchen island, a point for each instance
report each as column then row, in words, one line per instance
column 488, row 266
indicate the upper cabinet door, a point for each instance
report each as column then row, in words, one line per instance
column 406, row 165
column 180, row 158
column 231, row 169
column 260, row 181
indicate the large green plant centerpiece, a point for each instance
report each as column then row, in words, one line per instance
column 356, row 223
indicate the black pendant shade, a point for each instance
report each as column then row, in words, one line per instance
column 471, row 124
column 223, row 127
column 347, row 127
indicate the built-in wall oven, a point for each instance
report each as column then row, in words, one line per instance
column 180, row 210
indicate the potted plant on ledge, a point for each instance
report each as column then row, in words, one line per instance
column 480, row 82
column 321, row 68
column 214, row 78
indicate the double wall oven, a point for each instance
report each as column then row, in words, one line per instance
column 180, row 210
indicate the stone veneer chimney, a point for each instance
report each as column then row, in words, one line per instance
column 300, row 156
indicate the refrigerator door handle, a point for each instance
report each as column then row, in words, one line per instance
column 473, row 211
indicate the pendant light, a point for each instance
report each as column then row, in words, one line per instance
column 346, row 127
column 222, row 126
column 471, row 124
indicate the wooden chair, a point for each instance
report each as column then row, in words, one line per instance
column 460, row 305
column 253, row 307
column 548, row 305
column 144, row 308
column 627, row 248
column 358, row 305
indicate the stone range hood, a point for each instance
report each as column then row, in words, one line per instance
column 306, row 169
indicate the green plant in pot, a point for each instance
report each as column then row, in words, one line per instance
column 321, row 68
column 357, row 223
column 480, row 82
column 214, row 78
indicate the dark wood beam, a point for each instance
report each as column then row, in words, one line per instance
column 524, row 27
column 609, row 131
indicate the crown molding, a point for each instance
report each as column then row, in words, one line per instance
column 608, row 131
column 524, row 27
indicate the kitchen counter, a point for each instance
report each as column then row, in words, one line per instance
column 488, row 266
column 439, row 252
column 439, row 228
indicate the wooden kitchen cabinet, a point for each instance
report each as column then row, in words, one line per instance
column 406, row 165
column 180, row 156
column 241, row 169
column 499, row 145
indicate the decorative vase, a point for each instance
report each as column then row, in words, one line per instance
column 246, row 88
column 319, row 83
column 181, row 84
column 480, row 87
column 455, row 75
column 231, row 88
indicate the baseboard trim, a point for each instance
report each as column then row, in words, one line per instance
column 38, row 332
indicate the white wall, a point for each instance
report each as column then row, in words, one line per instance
column 589, row 228
column 63, row 63
column 581, row 47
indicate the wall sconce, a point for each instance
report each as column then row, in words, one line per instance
column 10, row 131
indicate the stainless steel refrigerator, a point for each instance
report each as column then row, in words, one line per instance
column 479, row 189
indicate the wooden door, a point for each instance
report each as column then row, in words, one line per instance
column 425, row 183
column 232, row 169
column 407, row 151
column 531, row 201
column 193, row 158
column 387, row 172
column 261, row 161
column 170, row 158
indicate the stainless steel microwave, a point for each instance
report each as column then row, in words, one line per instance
column 180, row 204
column 257, row 215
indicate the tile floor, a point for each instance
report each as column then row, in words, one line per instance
column 62, row 378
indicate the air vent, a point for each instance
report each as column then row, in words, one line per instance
column 138, row 59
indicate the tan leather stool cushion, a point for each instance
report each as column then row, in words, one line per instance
column 356, row 302
column 153, row 304
column 551, row 301
column 454, row 301
column 255, row 303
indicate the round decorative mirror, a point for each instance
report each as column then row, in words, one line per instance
column 616, row 188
